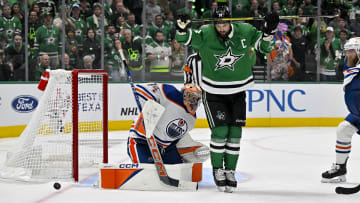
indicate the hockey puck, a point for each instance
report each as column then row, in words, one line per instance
column 57, row 186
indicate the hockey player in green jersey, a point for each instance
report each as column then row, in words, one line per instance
column 224, row 73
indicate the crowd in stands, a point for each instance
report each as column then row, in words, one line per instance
column 145, row 31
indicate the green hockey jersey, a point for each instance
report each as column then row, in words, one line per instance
column 47, row 41
column 226, row 65
column 80, row 30
column 8, row 27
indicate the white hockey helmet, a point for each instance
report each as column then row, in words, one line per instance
column 353, row 43
column 191, row 97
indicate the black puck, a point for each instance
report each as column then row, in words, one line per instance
column 57, row 186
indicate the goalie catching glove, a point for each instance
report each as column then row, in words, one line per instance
column 270, row 25
column 183, row 23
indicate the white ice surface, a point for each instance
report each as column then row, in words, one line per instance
column 279, row 165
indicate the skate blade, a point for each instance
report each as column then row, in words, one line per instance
column 338, row 179
column 229, row 189
column 220, row 188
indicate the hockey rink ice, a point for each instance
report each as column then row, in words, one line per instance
column 275, row 165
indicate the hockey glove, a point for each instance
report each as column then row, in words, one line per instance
column 270, row 25
column 183, row 23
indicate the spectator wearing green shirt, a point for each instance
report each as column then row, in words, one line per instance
column 78, row 25
column 308, row 7
column 9, row 25
column 159, row 25
column 208, row 13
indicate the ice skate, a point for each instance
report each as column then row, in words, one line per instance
column 335, row 175
column 219, row 178
column 230, row 181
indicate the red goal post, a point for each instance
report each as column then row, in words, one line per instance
column 75, row 92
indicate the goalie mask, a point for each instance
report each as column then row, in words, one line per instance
column 191, row 97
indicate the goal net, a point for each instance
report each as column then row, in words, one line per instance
column 68, row 130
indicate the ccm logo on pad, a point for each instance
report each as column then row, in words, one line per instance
column 24, row 103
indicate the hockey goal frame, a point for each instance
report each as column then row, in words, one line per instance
column 75, row 116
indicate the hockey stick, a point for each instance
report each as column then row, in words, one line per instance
column 151, row 113
column 258, row 18
column 347, row 191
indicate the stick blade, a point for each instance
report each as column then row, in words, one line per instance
column 152, row 113
column 347, row 191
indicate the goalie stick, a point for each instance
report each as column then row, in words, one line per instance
column 258, row 18
column 152, row 113
column 347, row 191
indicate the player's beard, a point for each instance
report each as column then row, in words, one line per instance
column 223, row 34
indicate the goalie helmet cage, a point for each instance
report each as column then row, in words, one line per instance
column 68, row 130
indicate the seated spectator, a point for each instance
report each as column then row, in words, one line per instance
column 41, row 67
column 88, row 62
column 15, row 55
column 158, row 54
column 133, row 53
column 67, row 65
column 92, row 48
column 177, row 61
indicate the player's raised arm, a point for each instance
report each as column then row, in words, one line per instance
column 264, row 40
